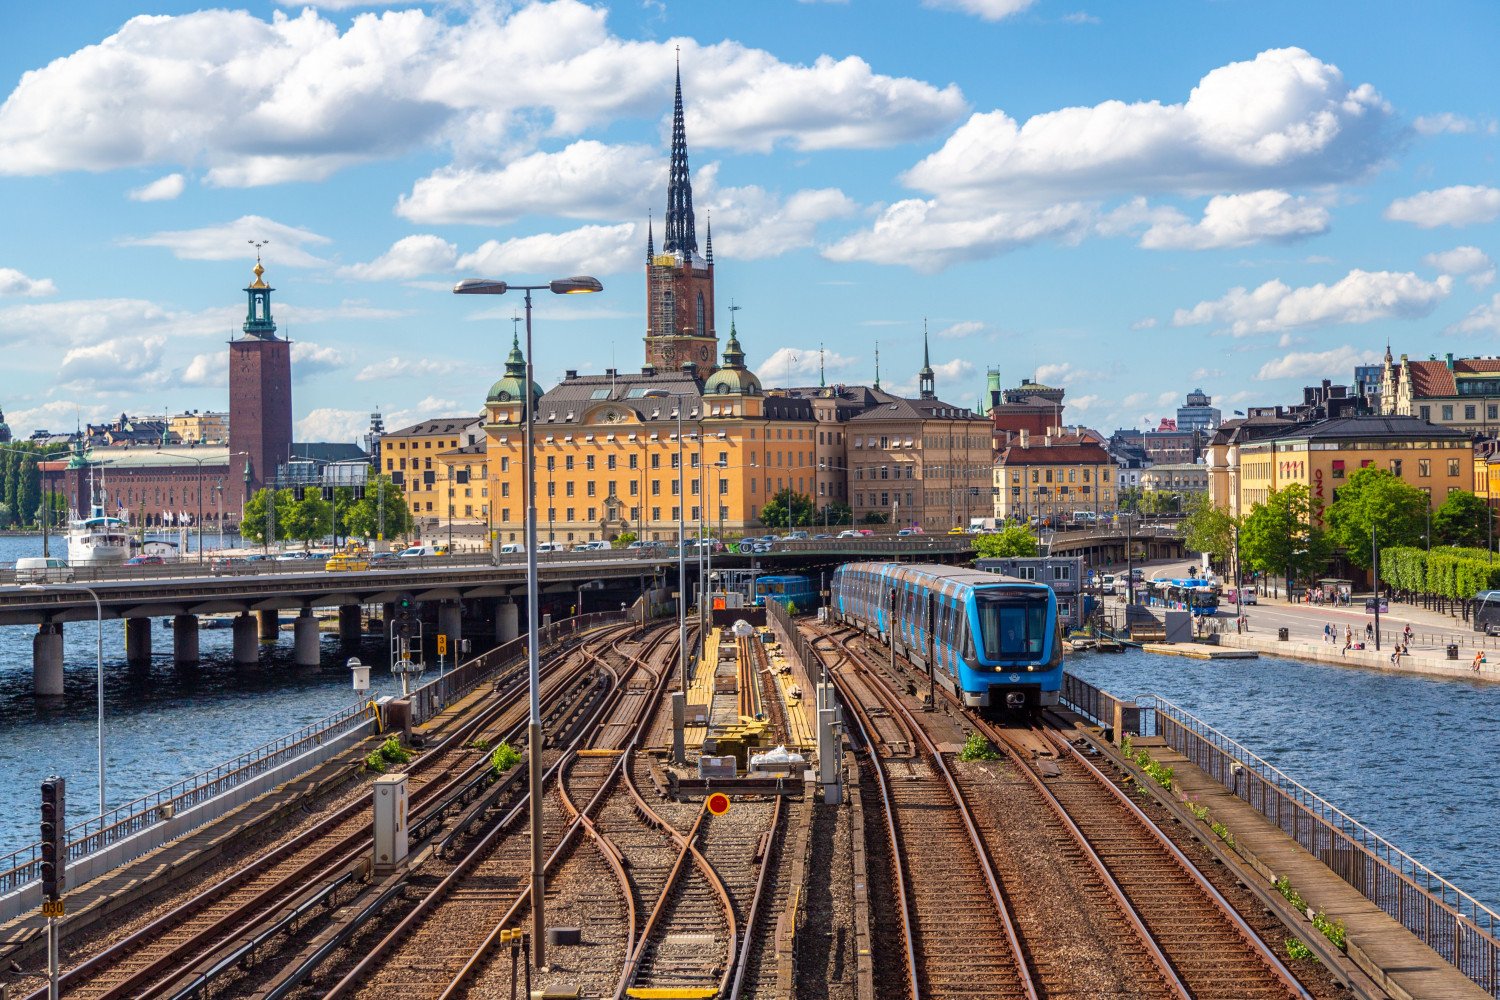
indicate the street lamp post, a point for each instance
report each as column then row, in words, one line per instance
column 98, row 664
column 562, row 286
column 681, row 560
column 199, row 463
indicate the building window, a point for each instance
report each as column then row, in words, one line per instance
column 588, row 463
column 1424, row 468
column 1452, row 467
column 568, row 463
column 656, row 487
column 1447, row 411
column 1425, row 412
column 1395, row 466
column 1469, row 412
column 590, row 488
column 609, row 462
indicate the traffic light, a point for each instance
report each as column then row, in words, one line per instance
column 54, row 837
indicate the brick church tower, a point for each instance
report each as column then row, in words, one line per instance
column 680, row 283
column 260, row 390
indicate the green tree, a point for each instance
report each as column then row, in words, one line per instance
column 5, row 515
column 253, row 525
column 363, row 517
column 1279, row 536
column 787, row 509
column 836, row 512
column 29, row 492
column 1011, row 540
column 12, row 495
column 1207, row 528
column 877, row 517
column 1461, row 520
column 1130, row 499
column 1375, row 499
column 310, row 518
column 622, row 540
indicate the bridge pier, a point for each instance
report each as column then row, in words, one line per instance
column 349, row 626
column 47, row 660
column 305, row 651
column 185, row 639
column 270, row 624
column 137, row 641
column 507, row 620
column 246, row 649
column 388, row 621
column 451, row 624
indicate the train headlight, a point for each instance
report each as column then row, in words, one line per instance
column 1015, row 699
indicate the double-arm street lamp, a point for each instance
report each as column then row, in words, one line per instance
column 681, row 541
column 98, row 662
column 562, row 286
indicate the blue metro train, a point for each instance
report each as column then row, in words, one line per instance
column 788, row 591
column 996, row 640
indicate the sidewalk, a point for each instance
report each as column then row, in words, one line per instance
column 1422, row 662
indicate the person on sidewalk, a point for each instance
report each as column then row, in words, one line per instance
column 1478, row 660
column 1406, row 635
column 1348, row 637
column 1369, row 631
column 1327, row 632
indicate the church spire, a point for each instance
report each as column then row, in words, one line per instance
column 681, row 236
column 877, row 364
column 734, row 356
column 258, row 321
column 926, row 379
column 650, row 239
column 822, row 383
column 709, row 247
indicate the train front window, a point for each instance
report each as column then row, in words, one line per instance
column 1012, row 626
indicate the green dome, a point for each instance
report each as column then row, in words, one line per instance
column 733, row 378
column 512, row 386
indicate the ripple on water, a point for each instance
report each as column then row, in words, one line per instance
column 1369, row 742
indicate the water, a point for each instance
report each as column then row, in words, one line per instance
column 162, row 723
column 1407, row 756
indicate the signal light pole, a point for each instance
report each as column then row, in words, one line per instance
column 54, row 867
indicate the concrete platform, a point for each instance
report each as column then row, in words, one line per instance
column 1390, row 954
column 1424, row 663
column 1198, row 651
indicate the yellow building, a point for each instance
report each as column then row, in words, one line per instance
column 1053, row 476
column 1322, row 456
column 417, row 458
column 200, row 427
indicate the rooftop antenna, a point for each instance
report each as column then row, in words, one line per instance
column 822, row 384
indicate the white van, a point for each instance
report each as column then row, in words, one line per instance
column 43, row 569
column 512, row 549
column 416, row 551
column 550, row 547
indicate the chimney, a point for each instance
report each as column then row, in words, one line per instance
column 1025, row 438
column 570, row 373
column 1450, row 361
column 648, row 369
column 1047, row 439
column 610, row 372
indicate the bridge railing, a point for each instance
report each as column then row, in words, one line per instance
column 440, row 692
column 1450, row 921
column 1094, row 704
column 102, row 832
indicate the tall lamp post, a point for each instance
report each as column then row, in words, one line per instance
column 562, row 286
column 199, row 463
column 98, row 663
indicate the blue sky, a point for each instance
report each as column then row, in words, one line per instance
column 1129, row 200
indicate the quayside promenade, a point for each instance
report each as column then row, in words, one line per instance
column 864, row 861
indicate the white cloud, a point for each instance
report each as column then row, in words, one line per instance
column 1080, row 17
column 1481, row 319
column 1239, row 220
column 1359, row 297
column 350, row 309
column 1449, row 122
column 330, row 424
column 83, row 321
column 13, row 282
column 210, row 369
column 799, row 365
column 1133, row 400
column 298, row 97
column 592, row 250
column 1460, row 205
column 751, row 223
column 1282, row 118
column 1083, row 402
column 416, row 368
column 587, row 180
column 126, row 362
column 929, row 235
column 162, row 189
column 1464, row 261
column 1334, row 364
column 409, row 257
column 57, row 416
column 230, row 241
column 989, row 10
column 1205, row 373
column 1059, row 374
column 958, row 331
column 1168, row 398
column 309, row 359
column 1149, row 323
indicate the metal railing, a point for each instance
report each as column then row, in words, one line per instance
column 1450, row 921
column 100, row 832
column 1094, row 704
column 440, row 692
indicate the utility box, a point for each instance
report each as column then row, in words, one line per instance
column 716, row 767
column 390, row 822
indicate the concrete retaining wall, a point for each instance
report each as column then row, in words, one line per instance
column 29, row 897
column 1423, row 663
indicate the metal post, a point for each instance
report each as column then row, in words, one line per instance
column 52, row 949
column 1375, row 574
column 681, row 568
column 533, row 668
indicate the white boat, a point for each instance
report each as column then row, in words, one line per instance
column 97, row 539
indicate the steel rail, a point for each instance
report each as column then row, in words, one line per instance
column 747, row 941
column 894, row 705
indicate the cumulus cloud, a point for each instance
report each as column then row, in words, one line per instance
column 1359, row 297
column 592, row 250
column 751, row 223
column 1238, row 220
column 958, row 331
column 1481, row 319
column 1316, row 364
column 1084, row 402
column 309, row 359
column 230, row 241
column 1460, row 205
column 125, row 362
column 13, row 282
column 328, row 423
column 210, row 369
column 1066, row 371
column 417, row 368
column 989, row 10
column 1471, row 262
column 57, row 415
column 409, row 257
column 82, row 321
column 162, row 189
column 930, row 235
column 1449, row 122
column 799, row 365
column 1284, row 117
column 1149, row 323
column 296, row 97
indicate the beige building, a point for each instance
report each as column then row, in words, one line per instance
column 416, row 459
column 205, row 427
column 1175, row 479
column 1452, row 392
column 1053, row 476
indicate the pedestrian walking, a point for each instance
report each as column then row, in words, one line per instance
column 1369, row 631
column 1406, row 635
column 1327, row 632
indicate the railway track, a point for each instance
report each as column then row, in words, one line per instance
column 151, row 961
column 1173, row 934
column 947, row 896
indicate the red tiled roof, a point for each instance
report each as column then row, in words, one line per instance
column 1433, row 378
column 1055, row 454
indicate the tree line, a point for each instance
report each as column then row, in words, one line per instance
column 283, row 516
column 21, row 502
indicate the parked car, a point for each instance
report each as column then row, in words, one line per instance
column 820, row 536
column 597, row 545
column 797, row 536
column 379, row 559
column 43, row 569
column 867, row 532
column 145, row 561
column 350, row 559
column 850, row 533
column 905, row 533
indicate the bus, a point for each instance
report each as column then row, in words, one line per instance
column 1198, row 596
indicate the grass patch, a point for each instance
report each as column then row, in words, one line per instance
column 1283, row 885
column 976, row 747
column 1159, row 773
column 1296, row 949
column 390, row 752
column 1333, row 930
column 480, row 743
column 1222, row 832
column 504, row 758
column 1199, row 812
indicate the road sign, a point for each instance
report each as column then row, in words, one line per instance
column 442, row 643
column 718, row 803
